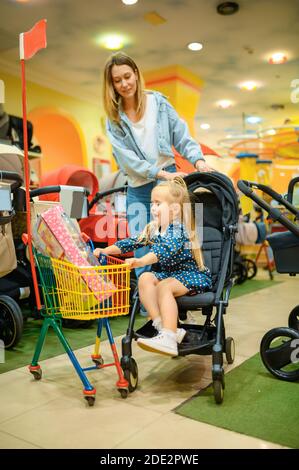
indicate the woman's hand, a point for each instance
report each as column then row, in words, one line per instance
column 134, row 263
column 170, row 176
column 201, row 166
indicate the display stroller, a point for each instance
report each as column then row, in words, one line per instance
column 220, row 215
column 279, row 346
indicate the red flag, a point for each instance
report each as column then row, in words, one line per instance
column 33, row 40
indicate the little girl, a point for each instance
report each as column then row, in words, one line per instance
column 177, row 260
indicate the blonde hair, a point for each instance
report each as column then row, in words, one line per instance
column 178, row 192
column 111, row 98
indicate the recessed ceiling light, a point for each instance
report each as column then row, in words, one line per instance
column 112, row 41
column 278, row 58
column 195, row 46
column 249, row 85
column 253, row 119
column 224, row 104
column 129, row 2
column 205, row 126
column 271, row 132
column 227, row 8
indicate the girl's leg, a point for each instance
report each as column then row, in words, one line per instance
column 166, row 342
column 168, row 289
column 147, row 286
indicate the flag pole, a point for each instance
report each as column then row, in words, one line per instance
column 27, row 185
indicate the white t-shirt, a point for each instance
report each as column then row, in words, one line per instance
column 145, row 133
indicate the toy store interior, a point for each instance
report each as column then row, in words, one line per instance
column 80, row 364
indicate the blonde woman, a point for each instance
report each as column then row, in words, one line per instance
column 176, row 259
column 142, row 127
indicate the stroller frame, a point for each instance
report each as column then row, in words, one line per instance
column 277, row 356
column 218, row 247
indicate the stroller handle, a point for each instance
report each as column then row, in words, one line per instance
column 11, row 176
column 291, row 186
column 246, row 188
column 50, row 190
column 103, row 194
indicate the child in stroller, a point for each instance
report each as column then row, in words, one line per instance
column 177, row 260
column 214, row 194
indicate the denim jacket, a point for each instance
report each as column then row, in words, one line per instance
column 171, row 131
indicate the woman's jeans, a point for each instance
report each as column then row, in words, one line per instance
column 138, row 213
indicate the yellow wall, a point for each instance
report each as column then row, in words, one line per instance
column 86, row 115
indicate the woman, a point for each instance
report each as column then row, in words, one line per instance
column 142, row 127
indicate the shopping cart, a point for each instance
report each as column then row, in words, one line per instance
column 94, row 292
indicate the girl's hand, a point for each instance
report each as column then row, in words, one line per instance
column 134, row 263
column 201, row 166
column 98, row 251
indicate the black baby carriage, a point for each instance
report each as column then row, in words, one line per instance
column 279, row 346
column 220, row 216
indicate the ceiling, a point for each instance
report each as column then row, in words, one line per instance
column 235, row 49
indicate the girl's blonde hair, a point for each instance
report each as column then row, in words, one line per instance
column 178, row 193
column 111, row 98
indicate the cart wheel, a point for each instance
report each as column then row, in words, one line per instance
column 218, row 391
column 230, row 350
column 11, row 321
column 294, row 318
column 277, row 348
column 124, row 392
column 37, row 374
column 98, row 361
column 251, row 268
column 131, row 375
column 90, row 400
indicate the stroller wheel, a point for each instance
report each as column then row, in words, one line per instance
column 218, row 391
column 294, row 318
column 279, row 353
column 131, row 374
column 230, row 350
column 251, row 268
column 11, row 321
column 239, row 272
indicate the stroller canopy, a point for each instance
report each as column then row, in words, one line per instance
column 223, row 202
column 70, row 175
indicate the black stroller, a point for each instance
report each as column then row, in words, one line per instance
column 220, row 215
column 279, row 346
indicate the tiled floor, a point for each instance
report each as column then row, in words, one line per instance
column 51, row 413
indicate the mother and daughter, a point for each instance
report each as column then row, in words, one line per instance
column 142, row 127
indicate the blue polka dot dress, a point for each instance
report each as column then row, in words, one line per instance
column 175, row 259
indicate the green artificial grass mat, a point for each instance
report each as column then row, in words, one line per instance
column 255, row 403
column 78, row 338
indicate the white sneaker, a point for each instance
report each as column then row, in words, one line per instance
column 180, row 334
column 163, row 343
column 180, row 331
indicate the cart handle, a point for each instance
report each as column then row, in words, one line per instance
column 246, row 188
column 101, row 195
